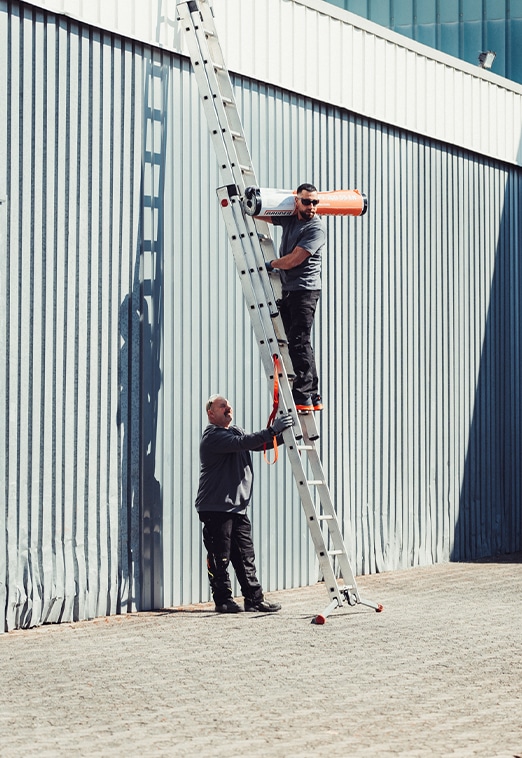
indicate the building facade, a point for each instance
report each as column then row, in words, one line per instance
column 123, row 311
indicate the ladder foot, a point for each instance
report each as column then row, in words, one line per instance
column 377, row 607
column 321, row 617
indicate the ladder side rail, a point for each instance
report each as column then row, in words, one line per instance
column 262, row 321
column 214, row 118
column 242, row 233
column 314, row 525
column 319, row 476
column 245, row 242
column 219, row 116
column 264, row 231
column 200, row 33
column 267, row 250
column 327, row 515
column 216, row 93
column 217, row 72
column 203, row 37
column 253, row 253
column 328, row 510
column 266, row 343
column 263, row 250
column 334, row 538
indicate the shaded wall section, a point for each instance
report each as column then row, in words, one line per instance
column 405, row 319
column 490, row 513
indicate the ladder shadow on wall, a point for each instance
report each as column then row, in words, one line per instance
column 141, row 321
column 489, row 518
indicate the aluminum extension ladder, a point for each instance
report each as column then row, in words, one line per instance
column 252, row 245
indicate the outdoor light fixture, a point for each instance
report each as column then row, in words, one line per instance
column 486, row 59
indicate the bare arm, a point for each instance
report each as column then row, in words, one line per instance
column 293, row 259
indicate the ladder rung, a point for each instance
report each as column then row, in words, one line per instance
column 237, row 135
column 315, row 481
column 326, row 517
column 247, row 169
column 306, row 447
column 335, row 552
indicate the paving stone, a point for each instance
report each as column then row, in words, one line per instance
column 438, row 673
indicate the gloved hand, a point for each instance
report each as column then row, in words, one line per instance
column 268, row 266
column 281, row 423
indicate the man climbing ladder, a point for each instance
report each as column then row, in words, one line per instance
column 299, row 264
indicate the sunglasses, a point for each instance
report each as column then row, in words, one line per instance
column 307, row 201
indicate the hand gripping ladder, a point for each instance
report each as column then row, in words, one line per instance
column 252, row 245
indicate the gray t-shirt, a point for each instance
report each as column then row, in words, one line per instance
column 310, row 235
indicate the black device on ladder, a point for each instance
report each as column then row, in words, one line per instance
column 252, row 245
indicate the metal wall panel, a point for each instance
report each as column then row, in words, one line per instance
column 363, row 69
column 71, row 164
column 350, row 62
column 124, row 312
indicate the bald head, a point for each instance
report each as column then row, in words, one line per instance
column 219, row 411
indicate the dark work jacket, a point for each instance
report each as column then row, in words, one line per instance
column 226, row 476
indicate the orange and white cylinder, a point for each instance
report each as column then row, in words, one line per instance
column 265, row 203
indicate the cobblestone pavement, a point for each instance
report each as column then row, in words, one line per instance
column 438, row 673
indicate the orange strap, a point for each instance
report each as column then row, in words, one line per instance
column 274, row 411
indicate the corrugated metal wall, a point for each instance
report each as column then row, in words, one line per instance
column 123, row 313
column 71, row 389
column 427, row 353
column 357, row 65
column 351, row 63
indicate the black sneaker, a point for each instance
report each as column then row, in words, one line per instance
column 261, row 606
column 229, row 606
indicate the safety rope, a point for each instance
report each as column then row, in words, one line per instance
column 274, row 410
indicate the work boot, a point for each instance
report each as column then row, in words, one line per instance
column 261, row 606
column 229, row 606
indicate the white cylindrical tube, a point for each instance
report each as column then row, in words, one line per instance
column 269, row 202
